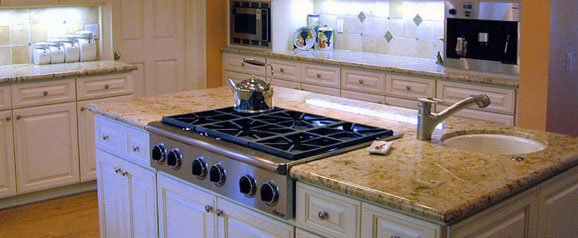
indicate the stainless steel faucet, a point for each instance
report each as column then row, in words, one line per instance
column 427, row 121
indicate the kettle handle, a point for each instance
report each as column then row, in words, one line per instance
column 263, row 64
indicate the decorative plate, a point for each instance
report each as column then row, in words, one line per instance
column 304, row 38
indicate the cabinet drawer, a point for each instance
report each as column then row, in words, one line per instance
column 503, row 100
column 401, row 102
column 379, row 222
column 363, row 96
column 300, row 233
column 234, row 62
column 409, row 88
column 109, row 136
column 138, row 150
column 481, row 115
column 321, row 75
column 327, row 213
column 49, row 92
column 5, row 98
column 321, row 89
column 363, row 81
column 287, row 84
column 286, row 70
column 104, row 86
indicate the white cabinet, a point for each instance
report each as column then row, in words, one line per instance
column 381, row 223
column 49, row 92
column 103, row 86
column 503, row 100
column 238, row 222
column 321, row 90
column 46, row 147
column 5, row 98
column 184, row 211
column 234, row 63
column 363, row 81
column 320, row 75
column 127, row 198
column 7, row 170
column 286, row 70
column 300, row 233
column 558, row 202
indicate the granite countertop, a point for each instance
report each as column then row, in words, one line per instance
column 417, row 177
column 29, row 72
column 383, row 62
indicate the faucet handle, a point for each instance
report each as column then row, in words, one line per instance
column 430, row 100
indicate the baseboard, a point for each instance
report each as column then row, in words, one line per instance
column 28, row 198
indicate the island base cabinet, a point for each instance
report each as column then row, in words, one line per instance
column 46, row 147
column 238, row 222
column 380, row 223
column 7, row 170
column 127, row 198
column 558, row 201
column 184, row 211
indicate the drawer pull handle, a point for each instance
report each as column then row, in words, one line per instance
column 323, row 215
column 360, row 81
column 208, row 208
column 82, row 109
column 117, row 170
column 242, row 64
column 18, row 117
column 106, row 86
column 135, row 149
column 282, row 70
column 318, row 76
column 105, row 137
column 8, row 118
column 45, row 93
column 219, row 212
column 125, row 174
column 408, row 88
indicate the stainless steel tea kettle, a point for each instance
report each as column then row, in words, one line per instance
column 253, row 95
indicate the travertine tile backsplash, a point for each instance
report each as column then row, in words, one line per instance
column 18, row 27
column 398, row 27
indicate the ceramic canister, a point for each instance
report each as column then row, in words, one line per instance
column 325, row 38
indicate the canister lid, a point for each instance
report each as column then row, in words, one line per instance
column 253, row 84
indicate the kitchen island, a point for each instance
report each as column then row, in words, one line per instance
column 422, row 180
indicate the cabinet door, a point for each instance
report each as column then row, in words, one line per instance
column 7, row 173
column 184, row 211
column 46, row 147
column 86, row 137
column 140, row 201
column 381, row 223
column 559, row 206
column 109, row 184
column 239, row 222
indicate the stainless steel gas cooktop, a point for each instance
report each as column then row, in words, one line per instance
column 246, row 157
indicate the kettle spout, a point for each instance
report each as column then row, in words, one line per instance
column 233, row 84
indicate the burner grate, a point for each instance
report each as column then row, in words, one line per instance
column 289, row 134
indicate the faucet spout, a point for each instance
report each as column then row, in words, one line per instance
column 427, row 121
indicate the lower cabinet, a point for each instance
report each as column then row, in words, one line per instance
column 46, row 142
column 127, row 197
column 7, row 171
column 380, row 223
column 558, row 202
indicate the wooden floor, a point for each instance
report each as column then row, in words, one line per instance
column 72, row 216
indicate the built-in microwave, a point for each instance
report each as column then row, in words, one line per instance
column 250, row 23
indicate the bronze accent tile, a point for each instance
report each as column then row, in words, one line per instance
column 4, row 35
column 5, row 55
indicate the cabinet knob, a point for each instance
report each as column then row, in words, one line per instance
column 208, row 208
column 106, row 86
column 282, row 70
column 18, row 117
column 135, row 148
column 117, row 170
column 323, row 215
column 45, row 93
column 360, row 81
column 105, row 137
column 125, row 173
column 82, row 109
column 8, row 118
column 242, row 64
column 117, row 55
column 408, row 88
column 318, row 76
column 219, row 212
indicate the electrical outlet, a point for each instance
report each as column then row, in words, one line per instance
column 94, row 29
column 569, row 62
column 339, row 25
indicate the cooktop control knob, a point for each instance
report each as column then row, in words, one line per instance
column 248, row 186
column 175, row 158
column 453, row 11
column 200, row 168
column 269, row 193
column 159, row 153
column 218, row 175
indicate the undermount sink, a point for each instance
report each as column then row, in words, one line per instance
column 494, row 144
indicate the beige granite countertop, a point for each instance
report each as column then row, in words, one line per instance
column 422, row 178
column 29, row 72
column 383, row 62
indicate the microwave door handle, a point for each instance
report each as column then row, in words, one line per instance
column 265, row 19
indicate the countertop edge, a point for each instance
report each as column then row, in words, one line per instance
column 97, row 111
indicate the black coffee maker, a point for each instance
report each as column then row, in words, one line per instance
column 482, row 36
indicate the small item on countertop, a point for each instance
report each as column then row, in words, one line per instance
column 40, row 53
column 325, row 36
column 313, row 21
column 380, row 147
column 57, row 54
column 71, row 49
column 87, row 46
column 304, row 38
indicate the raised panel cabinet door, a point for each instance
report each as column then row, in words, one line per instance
column 86, row 139
column 110, row 194
column 140, row 201
column 377, row 222
column 238, row 222
column 559, row 206
column 7, row 170
column 29, row 2
column 151, row 35
column 184, row 211
column 46, row 141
